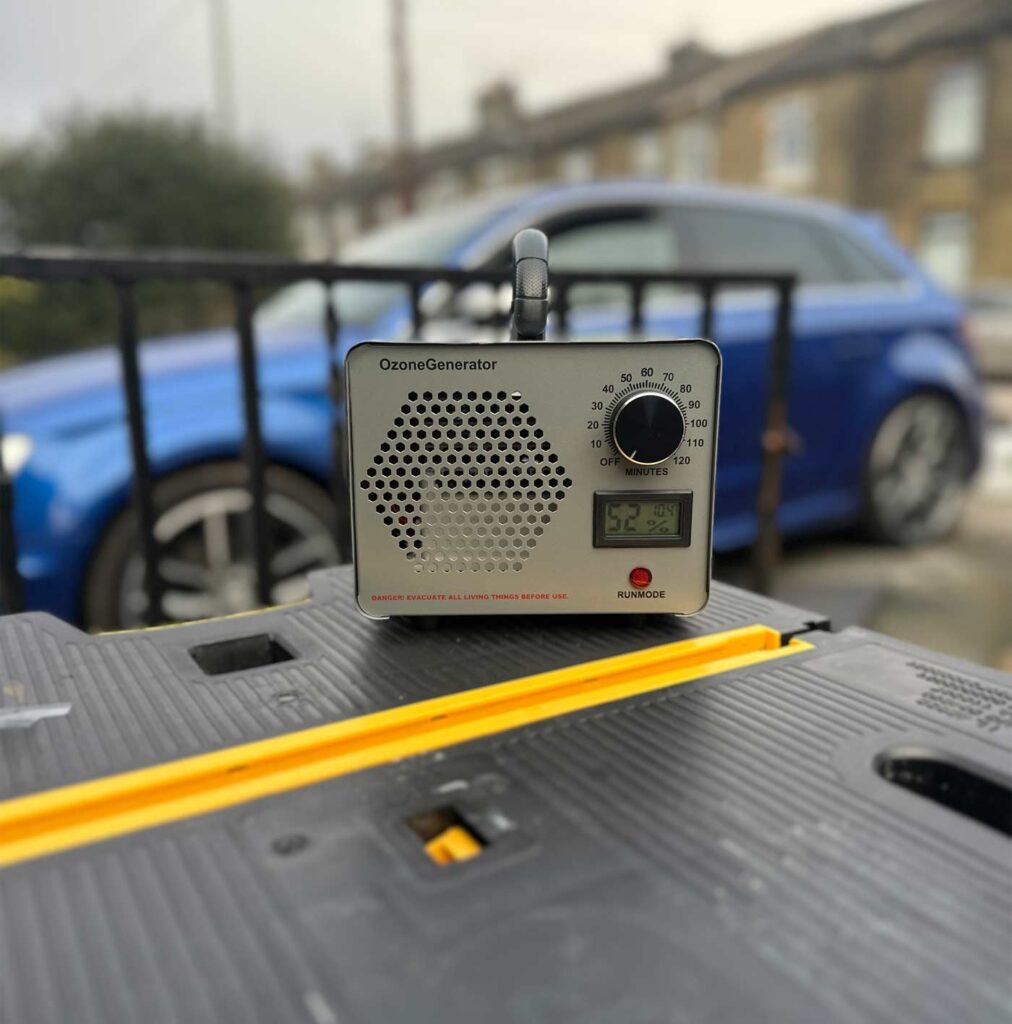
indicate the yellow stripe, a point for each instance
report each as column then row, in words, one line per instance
column 88, row 812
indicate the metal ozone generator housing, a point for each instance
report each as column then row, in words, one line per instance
column 533, row 477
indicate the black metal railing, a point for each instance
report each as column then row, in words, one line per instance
column 123, row 273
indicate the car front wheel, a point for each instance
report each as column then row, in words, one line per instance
column 206, row 561
column 918, row 471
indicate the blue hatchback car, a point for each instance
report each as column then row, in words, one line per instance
column 884, row 396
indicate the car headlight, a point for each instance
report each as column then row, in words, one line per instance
column 16, row 450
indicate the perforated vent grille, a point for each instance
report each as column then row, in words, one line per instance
column 466, row 481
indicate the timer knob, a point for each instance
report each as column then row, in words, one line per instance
column 647, row 427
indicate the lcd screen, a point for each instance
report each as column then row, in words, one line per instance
column 641, row 519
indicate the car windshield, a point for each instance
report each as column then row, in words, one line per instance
column 428, row 239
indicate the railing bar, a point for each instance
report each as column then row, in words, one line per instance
column 417, row 320
column 636, row 325
column 243, row 274
column 11, row 590
column 706, row 295
column 775, row 441
column 41, row 264
column 339, row 437
column 143, row 481
column 560, row 294
column 253, row 447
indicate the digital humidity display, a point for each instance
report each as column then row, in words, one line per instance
column 641, row 519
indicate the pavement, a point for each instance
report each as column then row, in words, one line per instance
column 954, row 597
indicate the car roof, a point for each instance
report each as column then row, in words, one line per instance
column 663, row 192
column 511, row 208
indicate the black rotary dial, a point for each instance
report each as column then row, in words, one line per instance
column 647, row 427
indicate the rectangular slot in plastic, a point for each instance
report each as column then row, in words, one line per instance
column 447, row 837
column 239, row 654
column 952, row 785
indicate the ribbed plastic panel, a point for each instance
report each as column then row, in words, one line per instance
column 721, row 851
column 140, row 698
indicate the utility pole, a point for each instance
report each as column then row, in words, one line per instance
column 222, row 70
column 403, row 113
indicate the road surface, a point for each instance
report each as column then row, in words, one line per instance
column 954, row 597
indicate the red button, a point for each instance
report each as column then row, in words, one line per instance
column 641, row 577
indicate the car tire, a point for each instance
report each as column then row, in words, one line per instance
column 207, row 556
column 918, row 471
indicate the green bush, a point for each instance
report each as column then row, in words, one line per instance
column 130, row 181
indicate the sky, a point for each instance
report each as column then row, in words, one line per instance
column 315, row 75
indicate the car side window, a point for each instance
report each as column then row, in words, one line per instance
column 863, row 266
column 639, row 241
column 749, row 240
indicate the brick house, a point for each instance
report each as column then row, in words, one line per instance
column 907, row 113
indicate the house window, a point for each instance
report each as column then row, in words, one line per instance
column 946, row 248
column 495, row 171
column 790, row 149
column 440, row 188
column 577, row 164
column 694, row 150
column 646, row 154
column 954, row 129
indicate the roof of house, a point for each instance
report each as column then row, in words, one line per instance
column 887, row 36
column 695, row 79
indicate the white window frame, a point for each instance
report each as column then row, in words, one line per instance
column 951, row 267
column 695, row 150
column 954, row 117
column 440, row 188
column 495, row 171
column 577, row 164
column 647, row 156
column 790, row 145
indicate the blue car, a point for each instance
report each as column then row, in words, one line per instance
column 884, row 396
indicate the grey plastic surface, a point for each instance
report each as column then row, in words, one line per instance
column 140, row 698
column 721, row 851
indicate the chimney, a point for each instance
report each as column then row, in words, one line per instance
column 688, row 59
column 498, row 109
